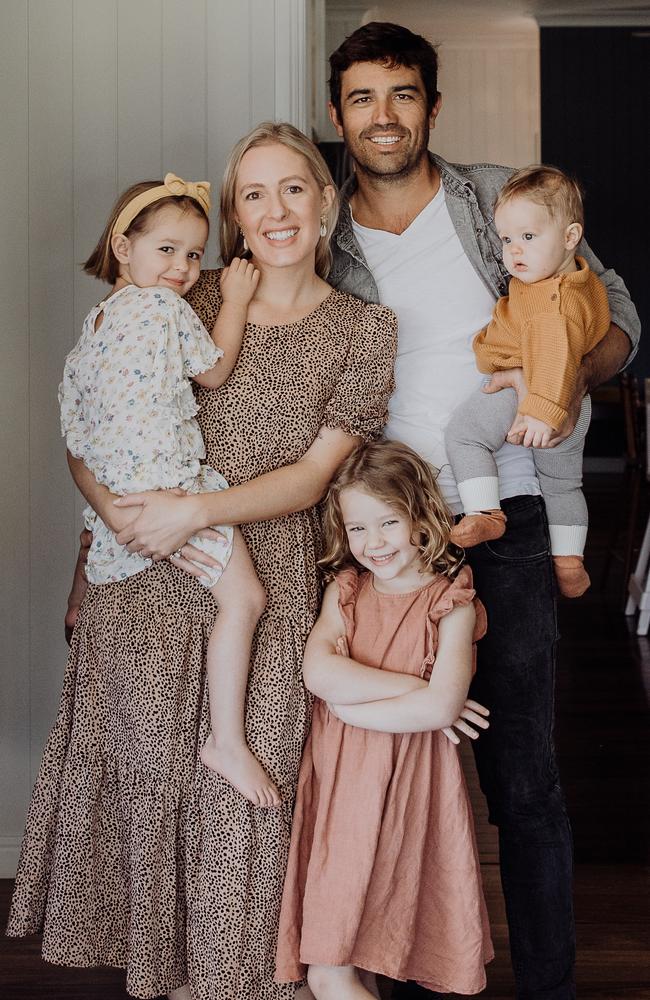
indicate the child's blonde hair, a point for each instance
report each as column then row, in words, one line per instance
column 394, row 473
column 558, row 193
column 102, row 262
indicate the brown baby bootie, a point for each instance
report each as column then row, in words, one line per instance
column 476, row 528
column 572, row 577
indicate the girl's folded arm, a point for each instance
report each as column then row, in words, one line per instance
column 439, row 705
column 340, row 679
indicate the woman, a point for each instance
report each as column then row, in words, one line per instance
column 144, row 857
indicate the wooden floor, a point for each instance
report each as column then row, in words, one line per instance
column 603, row 741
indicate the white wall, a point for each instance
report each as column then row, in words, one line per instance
column 97, row 94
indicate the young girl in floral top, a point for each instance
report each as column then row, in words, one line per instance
column 127, row 410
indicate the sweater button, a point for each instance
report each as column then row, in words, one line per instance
column 553, row 296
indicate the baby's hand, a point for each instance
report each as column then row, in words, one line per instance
column 530, row 432
column 239, row 281
column 473, row 713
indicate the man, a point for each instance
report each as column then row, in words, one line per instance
column 416, row 234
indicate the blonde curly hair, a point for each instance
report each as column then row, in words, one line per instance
column 394, row 473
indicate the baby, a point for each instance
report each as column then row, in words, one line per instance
column 555, row 313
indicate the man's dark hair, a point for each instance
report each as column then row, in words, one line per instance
column 391, row 44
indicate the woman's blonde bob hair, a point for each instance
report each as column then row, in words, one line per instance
column 394, row 473
column 269, row 134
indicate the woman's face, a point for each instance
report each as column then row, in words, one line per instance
column 279, row 206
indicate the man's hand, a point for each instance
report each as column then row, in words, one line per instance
column 511, row 378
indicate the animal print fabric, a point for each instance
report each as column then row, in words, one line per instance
column 135, row 855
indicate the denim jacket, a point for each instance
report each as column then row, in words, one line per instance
column 470, row 191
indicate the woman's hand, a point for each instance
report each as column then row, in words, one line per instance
column 166, row 520
column 471, row 712
column 192, row 560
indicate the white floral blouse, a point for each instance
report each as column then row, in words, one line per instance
column 127, row 406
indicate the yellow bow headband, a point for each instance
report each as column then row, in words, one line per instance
column 171, row 186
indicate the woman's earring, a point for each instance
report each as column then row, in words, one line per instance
column 244, row 240
column 323, row 228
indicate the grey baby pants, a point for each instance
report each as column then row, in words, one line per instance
column 478, row 428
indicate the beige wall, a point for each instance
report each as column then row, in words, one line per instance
column 97, row 94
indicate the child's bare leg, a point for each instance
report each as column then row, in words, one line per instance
column 241, row 601
column 337, row 982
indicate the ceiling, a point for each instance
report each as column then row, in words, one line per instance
column 545, row 11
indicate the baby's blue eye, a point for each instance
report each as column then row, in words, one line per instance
column 528, row 236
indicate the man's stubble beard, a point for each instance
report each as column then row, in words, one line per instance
column 411, row 166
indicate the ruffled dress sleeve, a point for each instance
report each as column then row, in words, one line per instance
column 359, row 405
column 185, row 348
column 458, row 592
column 348, row 583
column 198, row 351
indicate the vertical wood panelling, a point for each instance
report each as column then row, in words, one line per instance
column 139, row 91
column 184, row 141
column 292, row 92
column 103, row 93
column 51, row 251
column 228, row 90
column 14, row 431
column 263, row 60
column 94, row 153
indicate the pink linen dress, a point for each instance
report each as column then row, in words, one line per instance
column 383, row 869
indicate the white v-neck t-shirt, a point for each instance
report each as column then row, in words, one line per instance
column 441, row 303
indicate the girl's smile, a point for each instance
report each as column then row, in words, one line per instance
column 381, row 540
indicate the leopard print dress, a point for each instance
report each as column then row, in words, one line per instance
column 135, row 855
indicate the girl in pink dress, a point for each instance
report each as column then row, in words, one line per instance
column 383, row 871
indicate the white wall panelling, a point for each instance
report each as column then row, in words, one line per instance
column 14, row 432
column 103, row 93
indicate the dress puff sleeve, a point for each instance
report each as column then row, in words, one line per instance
column 347, row 582
column 198, row 351
column 185, row 348
column 359, row 405
column 458, row 592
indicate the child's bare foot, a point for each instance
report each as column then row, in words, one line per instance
column 572, row 578
column 473, row 529
column 241, row 768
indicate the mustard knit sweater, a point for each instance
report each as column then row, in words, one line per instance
column 546, row 328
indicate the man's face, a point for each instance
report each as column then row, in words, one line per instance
column 383, row 118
